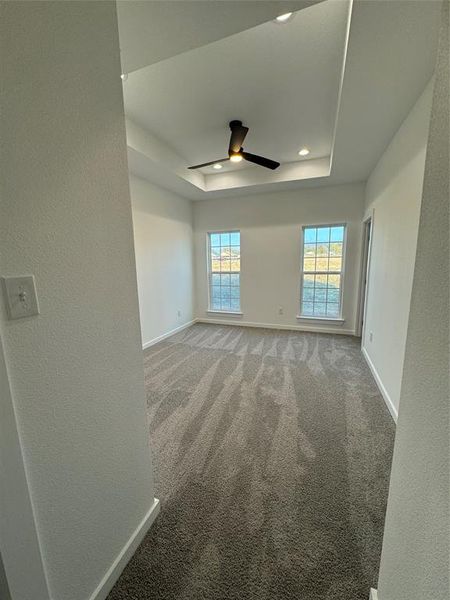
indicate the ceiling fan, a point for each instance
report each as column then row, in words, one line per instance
column 236, row 152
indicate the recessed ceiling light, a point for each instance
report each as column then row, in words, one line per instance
column 217, row 166
column 124, row 76
column 284, row 18
column 235, row 158
column 304, row 152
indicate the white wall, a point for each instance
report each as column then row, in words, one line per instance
column 4, row 587
column 75, row 370
column 270, row 226
column 19, row 543
column 415, row 555
column 393, row 194
column 164, row 258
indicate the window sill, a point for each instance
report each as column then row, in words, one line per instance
column 225, row 312
column 326, row 319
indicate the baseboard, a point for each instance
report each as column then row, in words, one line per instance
column 113, row 573
column 275, row 326
column 168, row 334
column 380, row 385
column 373, row 594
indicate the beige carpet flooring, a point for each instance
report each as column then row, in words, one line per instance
column 272, row 453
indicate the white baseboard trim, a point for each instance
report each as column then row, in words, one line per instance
column 113, row 573
column 380, row 385
column 313, row 329
column 168, row 334
column 373, row 594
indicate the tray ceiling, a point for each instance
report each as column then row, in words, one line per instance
column 323, row 80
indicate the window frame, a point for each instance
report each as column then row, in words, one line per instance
column 340, row 317
column 209, row 272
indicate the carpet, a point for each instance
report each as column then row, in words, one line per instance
column 272, row 453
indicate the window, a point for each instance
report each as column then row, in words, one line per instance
column 224, row 271
column 323, row 255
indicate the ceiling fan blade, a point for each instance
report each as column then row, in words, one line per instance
column 260, row 160
column 238, row 133
column 213, row 162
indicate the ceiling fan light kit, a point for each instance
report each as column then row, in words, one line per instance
column 236, row 152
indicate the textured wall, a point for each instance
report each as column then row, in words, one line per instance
column 164, row 258
column 76, row 369
column 415, row 557
column 394, row 194
column 270, row 226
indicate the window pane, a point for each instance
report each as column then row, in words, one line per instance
column 236, row 265
column 335, row 263
column 224, row 261
column 225, row 293
column 215, row 239
column 332, row 310
column 215, row 303
column 320, row 295
column 333, row 294
column 308, row 294
column 337, row 234
column 322, row 249
column 235, row 304
column 308, row 280
column 235, row 238
column 323, row 234
column 322, row 264
column 225, row 304
column 320, row 309
column 309, row 264
column 334, row 281
column 308, row 308
column 323, row 252
column 336, row 249
column 310, row 234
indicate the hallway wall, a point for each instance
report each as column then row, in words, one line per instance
column 75, row 370
column 415, row 556
column 393, row 197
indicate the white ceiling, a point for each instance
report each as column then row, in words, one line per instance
column 283, row 82
column 153, row 30
column 390, row 59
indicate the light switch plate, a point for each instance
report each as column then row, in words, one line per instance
column 21, row 298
